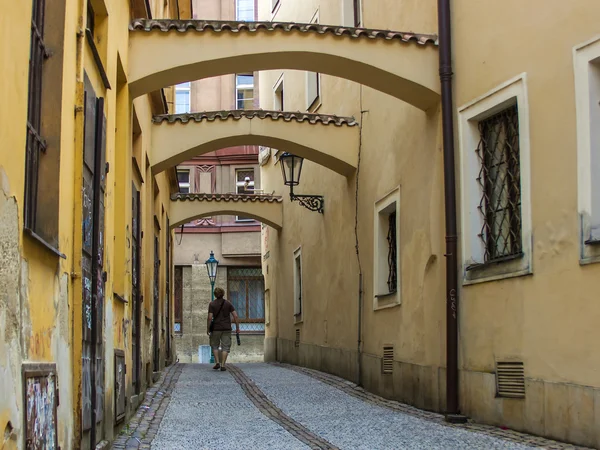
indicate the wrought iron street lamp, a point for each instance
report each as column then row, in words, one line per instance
column 291, row 168
column 211, row 267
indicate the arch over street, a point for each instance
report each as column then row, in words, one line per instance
column 327, row 140
column 167, row 52
column 265, row 208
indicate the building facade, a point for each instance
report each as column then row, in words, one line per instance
column 86, row 276
column 359, row 291
column 235, row 240
column 95, row 170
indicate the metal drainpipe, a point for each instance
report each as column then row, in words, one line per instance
column 445, row 51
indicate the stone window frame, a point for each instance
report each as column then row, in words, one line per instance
column 382, row 298
column 474, row 268
column 586, row 65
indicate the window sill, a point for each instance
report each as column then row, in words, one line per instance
column 509, row 267
column 494, row 263
column 40, row 240
column 315, row 105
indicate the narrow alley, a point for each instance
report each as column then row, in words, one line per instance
column 278, row 406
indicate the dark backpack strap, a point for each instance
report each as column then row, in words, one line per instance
column 219, row 312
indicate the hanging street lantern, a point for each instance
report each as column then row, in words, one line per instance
column 291, row 168
column 211, row 267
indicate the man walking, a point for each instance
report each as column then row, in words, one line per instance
column 219, row 314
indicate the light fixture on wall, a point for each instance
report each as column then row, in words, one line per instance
column 211, row 267
column 291, row 168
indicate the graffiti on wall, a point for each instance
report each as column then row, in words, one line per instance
column 120, row 385
column 41, row 400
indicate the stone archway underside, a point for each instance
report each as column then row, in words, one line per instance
column 331, row 141
column 267, row 209
column 167, row 52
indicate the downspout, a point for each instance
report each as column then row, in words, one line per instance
column 445, row 51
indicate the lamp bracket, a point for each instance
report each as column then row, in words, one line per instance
column 312, row 202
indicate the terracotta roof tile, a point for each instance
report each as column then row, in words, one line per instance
column 236, row 27
column 261, row 198
column 259, row 114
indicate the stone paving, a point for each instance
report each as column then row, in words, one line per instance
column 277, row 406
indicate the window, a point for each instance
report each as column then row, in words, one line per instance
column 245, row 290
column 244, row 185
column 313, row 83
column 587, row 88
column 278, row 95
column 42, row 147
column 36, row 146
column 386, row 249
column 178, row 306
column 244, row 10
column 182, row 98
column 244, row 91
column 500, row 184
column 495, row 184
column 244, row 181
column 298, row 285
column 183, row 178
column 91, row 19
column 357, row 12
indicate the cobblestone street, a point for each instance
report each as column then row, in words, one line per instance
column 276, row 406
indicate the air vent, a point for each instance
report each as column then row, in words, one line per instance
column 387, row 363
column 510, row 379
column 297, row 341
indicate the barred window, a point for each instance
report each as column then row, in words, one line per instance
column 43, row 127
column 500, row 182
column 392, row 257
column 36, row 145
column 245, row 290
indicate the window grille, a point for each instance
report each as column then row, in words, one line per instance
column 35, row 143
column 392, row 257
column 245, row 290
column 500, row 181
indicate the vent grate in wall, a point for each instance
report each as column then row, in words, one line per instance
column 297, row 341
column 510, row 379
column 387, row 363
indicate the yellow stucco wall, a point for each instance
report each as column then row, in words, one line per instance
column 547, row 320
column 41, row 313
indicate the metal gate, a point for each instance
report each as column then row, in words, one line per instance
column 92, row 262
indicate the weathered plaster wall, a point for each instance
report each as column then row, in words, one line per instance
column 526, row 318
column 390, row 157
column 547, row 320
